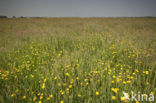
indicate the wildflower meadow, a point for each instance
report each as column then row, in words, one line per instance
column 77, row 60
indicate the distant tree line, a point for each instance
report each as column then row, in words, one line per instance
column 3, row 17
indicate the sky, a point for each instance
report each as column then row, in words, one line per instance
column 78, row 8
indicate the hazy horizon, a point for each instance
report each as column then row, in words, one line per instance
column 78, row 8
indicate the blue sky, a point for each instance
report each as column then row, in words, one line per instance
column 78, row 8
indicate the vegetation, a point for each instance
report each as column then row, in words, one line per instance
column 3, row 16
column 76, row 60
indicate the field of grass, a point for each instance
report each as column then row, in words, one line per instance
column 76, row 60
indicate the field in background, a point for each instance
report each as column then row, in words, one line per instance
column 76, row 60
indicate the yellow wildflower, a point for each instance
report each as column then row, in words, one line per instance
column 113, row 97
column 77, row 78
column 62, row 101
column 123, row 99
column 124, row 82
column 48, row 98
column 24, row 97
column 114, row 76
column 61, row 92
column 41, row 97
column 32, row 76
column 12, row 95
column 40, row 102
column 43, row 86
column 67, row 74
column 128, row 81
column 152, row 93
column 146, row 72
column 55, row 78
column 79, row 95
column 115, row 90
column 70, row 86
column 97, row 93
column 34, row 98
column 45, row 80
column 51, row 96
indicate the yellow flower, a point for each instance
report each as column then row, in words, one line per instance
column 97, row 93
column 39, row 94
column 146, row 72
column 137, row 102
column 123, row 99
column 43, row 86
column 40, row 102
column 71, row 81
column 132, row 77
column 55, row 78
column 77, row 78
column 152, row 93
column 61, row 92
column 48, row 98
column 87, row 83
column 12, row 95
column 64, row 84
column 45, row 80
column 112, row 81
column 67, row 89
column 117, row 79
column 32, row 76
column 62, row 101
column 137, row 70
column 113, row 97
column 85, row 80
column 114, row 76
column 51, row 96
column 124, row 82
column 79, row 95
column 41, row 97
column 24, row 97
column 28, row 62
column 128, row 81
column 67, row 74
column 115, row 90
column 70, row 86
column 34, row 98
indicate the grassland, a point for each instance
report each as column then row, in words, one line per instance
column 76, row 60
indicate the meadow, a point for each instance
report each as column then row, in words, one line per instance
column 77, row 60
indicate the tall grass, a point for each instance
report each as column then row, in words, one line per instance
column 76, row 60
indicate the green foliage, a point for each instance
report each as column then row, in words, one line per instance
column 69, row 63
